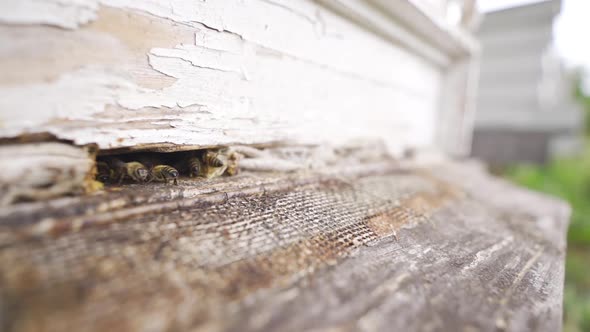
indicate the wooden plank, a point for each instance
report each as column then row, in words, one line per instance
column 143, row 76
column 38, row 171
column 376, row 246
column 123, row 73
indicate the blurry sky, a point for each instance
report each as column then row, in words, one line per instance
column 571, row 29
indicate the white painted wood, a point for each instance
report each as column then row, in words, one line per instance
column 510, row 18
column 525, row 99
column 432, row 27
column 457, row 115
column 523, row 85
column 122, row 73
column 379, row 20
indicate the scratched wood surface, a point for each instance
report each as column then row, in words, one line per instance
column 380, row 247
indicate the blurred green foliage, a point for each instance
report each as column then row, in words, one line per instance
column 569, row 178
column 565, row 178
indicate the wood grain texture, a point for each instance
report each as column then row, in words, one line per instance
column 121, row 73
column 376, row 247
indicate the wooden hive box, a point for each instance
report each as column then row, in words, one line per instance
column 346, row 216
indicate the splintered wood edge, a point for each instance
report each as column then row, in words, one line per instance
column 44, row 170
column 48, row 183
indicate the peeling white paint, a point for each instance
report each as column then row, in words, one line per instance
column 68, row 14
column 297, row 72
column 86, row 91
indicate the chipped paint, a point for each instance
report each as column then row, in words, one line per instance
column 292, row 76
column 67, row 14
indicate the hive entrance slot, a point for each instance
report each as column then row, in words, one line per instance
column 165, row 167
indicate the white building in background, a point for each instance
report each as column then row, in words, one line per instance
column 525, row 105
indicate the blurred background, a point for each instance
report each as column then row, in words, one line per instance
column 532, row 124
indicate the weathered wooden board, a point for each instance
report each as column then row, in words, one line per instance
column 38, row 171
column 376, row 246
column 141, row 73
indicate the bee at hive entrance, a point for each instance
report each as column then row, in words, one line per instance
column 148, row 167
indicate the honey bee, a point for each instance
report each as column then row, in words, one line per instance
column 103, row 172
column 213, row 164
column 232, row 164
column 133, row 170
column 164, row 173
column 194, row 166
column 214, row 159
